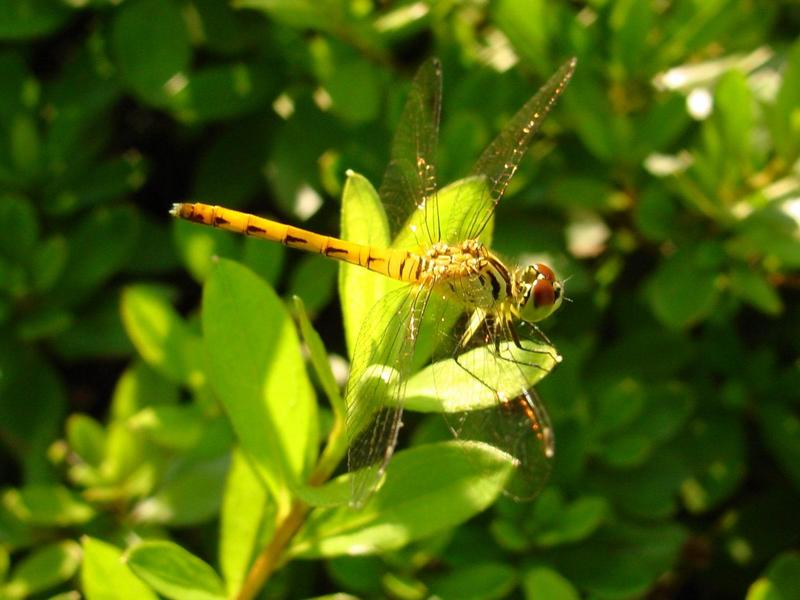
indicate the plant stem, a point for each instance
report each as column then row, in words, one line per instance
column 269, row 559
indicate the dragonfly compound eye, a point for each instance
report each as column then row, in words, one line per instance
column 545, row 271
column 543, row 293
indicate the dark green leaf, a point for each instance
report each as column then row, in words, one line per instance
column 151, row 44
column 97, row 248
column 683, row 290
column 781, row 580
column 22, row 227
column 623, row 561
column 476, row 581
column 314, row 280
column 754, row 289
column 222, row 92
column 21, row 19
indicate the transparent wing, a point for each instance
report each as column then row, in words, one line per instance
column 408, row 190
column 500, row 160
column 496, row 370
column 377, row 383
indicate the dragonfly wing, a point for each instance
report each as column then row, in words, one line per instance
column 500, row 160
column 377, row 383
column 408, row 189
column 516, row 421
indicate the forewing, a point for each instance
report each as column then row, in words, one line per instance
column 377, row 383
column 500, row 160
column 409, row 184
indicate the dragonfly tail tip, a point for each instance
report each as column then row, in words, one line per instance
column 176, row 209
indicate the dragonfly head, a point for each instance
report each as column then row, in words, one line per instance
column 541, row 292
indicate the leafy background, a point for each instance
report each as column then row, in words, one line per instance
column 152, row 448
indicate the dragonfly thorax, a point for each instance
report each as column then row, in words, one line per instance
column 470, row 274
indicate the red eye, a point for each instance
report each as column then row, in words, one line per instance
column 546, row 271
column 543, row 293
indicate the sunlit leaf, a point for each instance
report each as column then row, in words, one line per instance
column 174, row 572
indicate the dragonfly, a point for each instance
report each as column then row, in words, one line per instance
column 459, row 310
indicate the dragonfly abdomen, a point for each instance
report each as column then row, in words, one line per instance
column 397, row 264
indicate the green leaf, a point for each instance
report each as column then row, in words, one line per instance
column 47, row 263
column 246, row 510
column 575, row 522
column 200, row 246
column 626, row 450
column 303, row 14
column 34, row 425
column 715, row 448
column 174, row 572
column 543, row 582
column 24, row 19
column 95, row 331
column 46, row 567
column 161, row 336
column 105, row 576
column 529, row 25
column 265, row 259
column 428, row 489
column 447, row 386
column 630, row 22
column 476, row 581
column 683, row 290
column 257, row 371
column 355, row 103
column 223, row 30
column 623, row 561
column 649, row 490
column 175, row 427
column 363, row 221
column 86, row 438
column 779, row 427
column 733, row 114
column 139, row 387
column 755, row 289
column 785, row 116
column 188, row 497
column 781, row 580
column 47, row 505
column 229, row 170
column 18, row 216
column 313, row 279
column 152, row 47
column 222, row 92
column 106, row 181
column 98, row 247
column 319, row 359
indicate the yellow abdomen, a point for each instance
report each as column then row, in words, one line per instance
column 397, row 264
